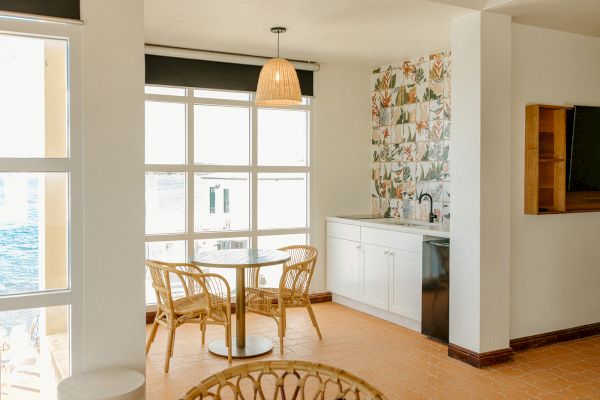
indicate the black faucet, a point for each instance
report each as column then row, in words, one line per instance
column 432, row 216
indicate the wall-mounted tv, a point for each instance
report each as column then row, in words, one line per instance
column 583, row 149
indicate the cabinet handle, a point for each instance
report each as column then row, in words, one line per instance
column 387, row 253
column 358, row 246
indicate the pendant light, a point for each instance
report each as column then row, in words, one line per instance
column 278, row 82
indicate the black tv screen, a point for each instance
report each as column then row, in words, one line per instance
column 583, row 150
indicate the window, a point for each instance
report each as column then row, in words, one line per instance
column 212, row 200
column 40, row 206
column 226, row 201
column 222, row 173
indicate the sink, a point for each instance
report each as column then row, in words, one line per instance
column 411, row 223
column 405, row 224
column 362, row 217
column 391, row 221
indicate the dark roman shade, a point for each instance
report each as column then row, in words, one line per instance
column 50, row 8
column 173, row 71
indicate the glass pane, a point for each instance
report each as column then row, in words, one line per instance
column 282, row 137
column 281, row 200
column 278, row 241
column 222, row 94
column 221, row 135
column 162, row 251
column 33, row 99
column 222, row 244
column 34, row 352
column 34, row 217
column 165, row 202
column 221, row 201
column 269, row 276
column 165, row 90
column 165, row 133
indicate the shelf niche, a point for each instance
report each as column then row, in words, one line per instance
column 545, row 164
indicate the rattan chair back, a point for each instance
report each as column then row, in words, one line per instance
column 299, row 270
column 283, row 380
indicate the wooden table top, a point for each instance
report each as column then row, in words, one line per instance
column 240, row 258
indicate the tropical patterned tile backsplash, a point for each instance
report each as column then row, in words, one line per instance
column 410, row 141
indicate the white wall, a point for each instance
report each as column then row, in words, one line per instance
column 480, row 228
column 464, row 167
column 341, row 151
column 555, row 259
column 113, row 135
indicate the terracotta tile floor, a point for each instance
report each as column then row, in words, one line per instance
column 401, row 363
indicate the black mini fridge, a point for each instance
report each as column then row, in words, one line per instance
column 435, row 291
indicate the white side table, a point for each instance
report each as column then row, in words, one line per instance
column 104, row 384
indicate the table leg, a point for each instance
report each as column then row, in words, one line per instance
column 245, row 346
column 240, row 309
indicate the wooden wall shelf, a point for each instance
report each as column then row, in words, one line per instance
column 545, row 164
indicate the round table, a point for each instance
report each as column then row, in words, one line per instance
column 240, row 259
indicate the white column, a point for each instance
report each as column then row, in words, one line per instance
column 113, row 136
column 341, row 156
column 480, row 165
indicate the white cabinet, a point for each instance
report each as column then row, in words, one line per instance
column 405, row 283
column 343, row 273
column 375, row 266
column 378, row 268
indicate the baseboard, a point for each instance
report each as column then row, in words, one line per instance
column 480, row 360
column 315, row 298
column 323, row 297
column 378, row 313
column 529, row 342
column 563, row 335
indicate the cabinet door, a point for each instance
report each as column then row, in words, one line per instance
column 405, row 283
column 375, row 276
column 343, row 273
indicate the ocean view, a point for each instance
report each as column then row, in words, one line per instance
column 19, row 248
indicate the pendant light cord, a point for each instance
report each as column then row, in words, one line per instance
column 277, row 44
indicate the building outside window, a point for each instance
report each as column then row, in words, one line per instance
column 222, row 173
column 226, row 201
column 212, row 199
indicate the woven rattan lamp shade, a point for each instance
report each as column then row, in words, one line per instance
column 278, row 84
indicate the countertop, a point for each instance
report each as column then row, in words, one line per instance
column 396, row 224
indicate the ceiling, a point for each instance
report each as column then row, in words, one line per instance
column 369, row 32
column 364, row 32
column 576, row 16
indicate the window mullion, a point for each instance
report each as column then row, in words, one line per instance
column 254, row 174
column 37, row 164
column 37, row 299
column 190, row 174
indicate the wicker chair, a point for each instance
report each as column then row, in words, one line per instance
column 205, row 300
column 283, row 380
column 292, row 290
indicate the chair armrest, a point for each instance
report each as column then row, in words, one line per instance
column 294, row 278
column 217, row 292
column 216, row 285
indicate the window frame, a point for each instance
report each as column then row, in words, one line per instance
column 73, row 295
column 253, row 169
